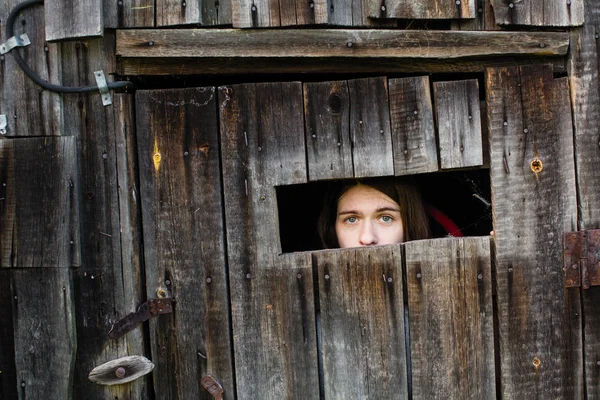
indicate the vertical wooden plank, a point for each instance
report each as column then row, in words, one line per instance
column 451, row 318
column 539, row 12
column 44, row 322
column 274, row 13
column 429, row 9
column 585, row 97
column 73, row 19
column 326, row 112
column 205, row 12
column 413, row 132
column 184, row 245
column 482, row 21
column 30, row 111
column 539, row 320
column 109, row 284
column 459, row 123
column 362, row 323
column 262, row 143
column 128, row 14
column 8, row 375
column 370, row 130
column 40, row 216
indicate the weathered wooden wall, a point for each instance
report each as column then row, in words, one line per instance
column 86, row 236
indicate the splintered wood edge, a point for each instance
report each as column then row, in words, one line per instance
column 134, row 366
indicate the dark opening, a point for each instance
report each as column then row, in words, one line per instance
column 463, row 196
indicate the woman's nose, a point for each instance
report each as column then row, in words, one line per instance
column 367, row 235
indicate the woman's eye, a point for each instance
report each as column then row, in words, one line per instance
column 351, row 220
column 386, row 218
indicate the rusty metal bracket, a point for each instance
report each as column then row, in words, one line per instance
column 213, row 386
column 581, row 262
column 148, row 309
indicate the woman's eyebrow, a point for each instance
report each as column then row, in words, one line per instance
column 347, row 212
column 388, row 209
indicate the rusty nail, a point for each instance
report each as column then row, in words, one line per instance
column 120, row 372
column 536, row 362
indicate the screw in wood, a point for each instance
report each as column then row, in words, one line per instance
column 536, row 362
column 120, row 372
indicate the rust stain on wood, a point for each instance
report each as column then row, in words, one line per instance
column 156, row 157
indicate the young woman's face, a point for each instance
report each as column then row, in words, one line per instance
column 367, row 217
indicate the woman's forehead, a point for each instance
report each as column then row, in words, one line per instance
column 365, row 196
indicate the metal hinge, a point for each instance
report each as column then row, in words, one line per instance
column 581, row 252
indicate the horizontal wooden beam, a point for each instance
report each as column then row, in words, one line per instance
column 338, row 43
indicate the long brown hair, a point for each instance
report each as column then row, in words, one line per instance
column 412, row 209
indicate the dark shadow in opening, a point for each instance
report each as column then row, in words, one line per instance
column 463, row 196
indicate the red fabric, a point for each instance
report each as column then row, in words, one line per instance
column 451, row 228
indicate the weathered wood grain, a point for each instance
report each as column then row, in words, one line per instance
column 539, row 12
column 354, row 13
column 372, row 66
column 262, row 143
column 585, row 97
column 29, row 110
column 45, row 334
column 429, row 9
column 128, row 14
column 539, row 320
column 40, row 203
column 370, row 130
column 184, row 245
column 121, row 370
column 449, row 283
column 73, row 19
column 413, row 131
column 8, row 377
column 274, row 13
column 205, row 12
column 109, row 284
column 319, row 43
column 459, row 123
column 326, row 112
column 483, row 21
column 362, row 323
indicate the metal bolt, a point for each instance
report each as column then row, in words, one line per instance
column 458, row 2
column 390, row 280
column 480, row 276
column 525, row 130
column 419, row 275
column 360, row 122
column 536, row 362
column 314, row 136
column 120, row 372
column 208, row 280
column 511, row 5
column 46, row 49
column 415, row 112
column 349, row 44
column 167, row 282
column 327, row 276
column 405, row 151
column 262, row 198
column 480, row 10
column 470, row 117
column 120, row 3
column 151, row 43
column 104, row 155
column 339, row 144
column 510, row 270
column 22, row 383
column 311, row 4
column 253, row 8
column 383, row 8
column 259, row 148
column 299, row 276
column 185, row 153
column 248, row 275
column 542, row 45
column 505, row 123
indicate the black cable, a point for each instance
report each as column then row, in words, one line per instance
column 32, row 74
